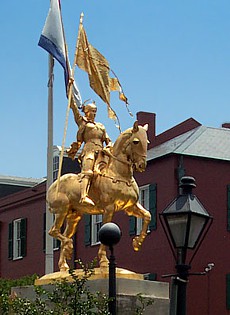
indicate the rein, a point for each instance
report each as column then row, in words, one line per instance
column 106, row 151
column 118, row 180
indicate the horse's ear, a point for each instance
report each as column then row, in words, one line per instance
column 135, row 126
column 146, row 126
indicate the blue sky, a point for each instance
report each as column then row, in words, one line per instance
column 172, row 58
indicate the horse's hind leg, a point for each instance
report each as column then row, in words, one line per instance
column 72, row 221
column 140, row 212
column 59, row 205
column 66, row 243
column 55, row 230
column 65, row 253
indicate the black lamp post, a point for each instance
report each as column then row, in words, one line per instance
column 109, row 235
column 185, row 222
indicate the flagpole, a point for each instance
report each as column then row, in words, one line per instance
column 68, row 106
column 49, row 216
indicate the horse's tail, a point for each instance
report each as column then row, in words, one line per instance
column 57, row 200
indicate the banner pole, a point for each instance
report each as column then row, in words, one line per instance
column 68, row 106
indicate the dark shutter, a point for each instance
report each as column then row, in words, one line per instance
column 87, row 220
column 228, row 291
column 228, row 207
column 132, row 225
column 10, row 240
column 23, row 230
column 153, row 206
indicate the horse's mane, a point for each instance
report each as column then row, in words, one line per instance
column 122, row 139
column 104, row 155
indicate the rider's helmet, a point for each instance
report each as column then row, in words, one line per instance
column 88, row 107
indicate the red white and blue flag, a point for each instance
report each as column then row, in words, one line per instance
column 52, row 40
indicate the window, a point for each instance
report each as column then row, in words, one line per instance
column 55, row 167
column 96, row 223
column 17, row 239
column 92, row 227
column 144, row 201
column 147, row 197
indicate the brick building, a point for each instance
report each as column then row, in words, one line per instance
column 186, row 149
column 23, row 222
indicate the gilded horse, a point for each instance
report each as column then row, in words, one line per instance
column 113, row 189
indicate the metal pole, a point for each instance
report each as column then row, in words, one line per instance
column 49, row 216
column 173, row 297
column 112, row 283
column 181, row 282
column 181, row 292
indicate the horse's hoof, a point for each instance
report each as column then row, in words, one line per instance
column 136, row 244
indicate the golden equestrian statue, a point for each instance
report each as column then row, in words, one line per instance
column 109, row 185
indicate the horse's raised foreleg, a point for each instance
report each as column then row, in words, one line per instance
column 103, row 260
column 140, row 212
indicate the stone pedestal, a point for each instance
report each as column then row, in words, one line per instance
column 127, row 295
column 128, row 287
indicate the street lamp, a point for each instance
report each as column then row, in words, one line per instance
column 185, row 222
column 109, row 235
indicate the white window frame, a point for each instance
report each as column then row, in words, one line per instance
column 144, row 201
column 17, row 248
column 96, row 222
column 55, row 166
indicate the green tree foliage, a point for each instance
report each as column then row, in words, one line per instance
column 65, row 298
column 5, row 291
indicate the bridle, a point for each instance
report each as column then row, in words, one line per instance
column 126, row 162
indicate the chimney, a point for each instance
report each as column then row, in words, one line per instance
column 226, row 125
column 150, row 119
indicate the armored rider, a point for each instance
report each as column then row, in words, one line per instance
column 93, row 135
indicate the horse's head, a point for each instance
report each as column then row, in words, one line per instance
column 136, row 147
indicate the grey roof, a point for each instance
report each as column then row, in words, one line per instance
column 20, row 181
column 202, row 141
